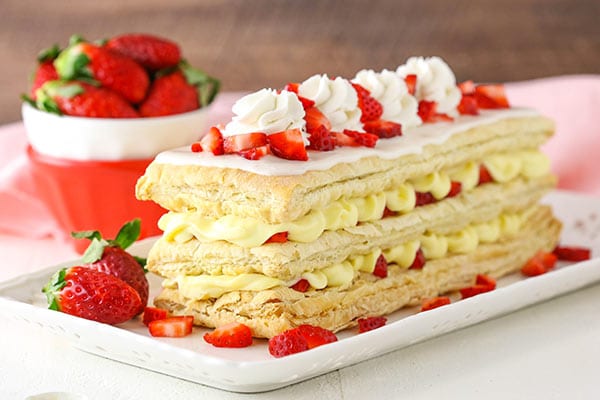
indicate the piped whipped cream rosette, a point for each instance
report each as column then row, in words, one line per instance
column 290, row 214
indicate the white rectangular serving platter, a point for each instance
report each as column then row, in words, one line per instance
column 252, row 369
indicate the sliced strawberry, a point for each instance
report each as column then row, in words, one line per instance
column 344, row 140
column 571, row 253
column 234, row 334
column 468, row 105
column 491, row 96
column 301, row 286
column 419, row 261
column 288, row 144
column 255, row 153
column 213, row 141
column 534, row 267
column 430, row 304
column 316, row 336
column 171, row 327
column 153, row 314
column 363, row 139
column 371, row 108
column 467, row 87
column 196, row 147
column 315, row 119
column 322, row 139
column 286, row 343
column 370, row 323
column 381, row 267
column 383, row 129
column 484, row 175
column 280, row 237
column 292, row 87
column 455, row 189
column 424, row 198
column 486, row 280
column 411, row 83
column 428, row 112
column 237, row 143
column 388, row 213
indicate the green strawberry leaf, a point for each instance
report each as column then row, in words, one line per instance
column 54, row 285
column 128, row 234
column 76, row 39
column 73, row 64
column 49, row 90
column 48, row 54
column 87, row 235
column 94, row 251
column 29, row 100
column 207, row 86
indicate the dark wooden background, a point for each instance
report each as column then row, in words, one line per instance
column 266, row 43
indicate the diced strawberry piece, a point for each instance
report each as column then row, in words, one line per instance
column 171, row 327
column 196, row 147
column 315, row 335
column 292, row 87
column 467, row 87
column 468, row 105
column 455, row 189
column 288, row 144
column 238, row 143
column 301, row 286
column 571, row 253
column 363, row 139
column 430, row 304
column 534, row 267
column 286, row 343
column 322, row 139
column 539, row 264
column 255, row 153
column 428, row 112
column 315, row 119
column 383, row 129
column 153, row 314
column 370, row 323
column 419, row 261
column 371, row 108
column 344, row 140
column 484, row 175
column 491, row 96
column 486, row 280
column 424, row 198
column 381, row 267
column 388, row 213
column 411, row 83
column 213, row 141
column 474, row 290
column 233, row 334
column 280, row 237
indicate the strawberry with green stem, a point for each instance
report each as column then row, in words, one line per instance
column 93, row 295
column 103, row 67
column 45, row 71
column 151, row 52
column 109, row 256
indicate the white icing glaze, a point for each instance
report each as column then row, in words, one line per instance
column 390, row 90
column 412, row 142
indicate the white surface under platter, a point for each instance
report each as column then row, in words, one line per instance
column 253, row 369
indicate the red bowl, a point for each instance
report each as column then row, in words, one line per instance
column 93, row 195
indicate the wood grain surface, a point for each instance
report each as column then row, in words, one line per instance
column 266, row 43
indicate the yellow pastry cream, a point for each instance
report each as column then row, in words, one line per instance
column 432, row 245
column 343, row 213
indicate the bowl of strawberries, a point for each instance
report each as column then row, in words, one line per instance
column 96, row 115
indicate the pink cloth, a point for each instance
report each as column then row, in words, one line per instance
column 570, row 100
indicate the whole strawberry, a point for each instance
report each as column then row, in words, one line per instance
column 82, row 60
column 180, row 90
column 82, row 100
column 91, row 294
column 168, row 95
column 45, row 71
column 110, row 257
column 149, row 51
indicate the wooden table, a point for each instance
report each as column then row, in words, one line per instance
column 267, row 43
